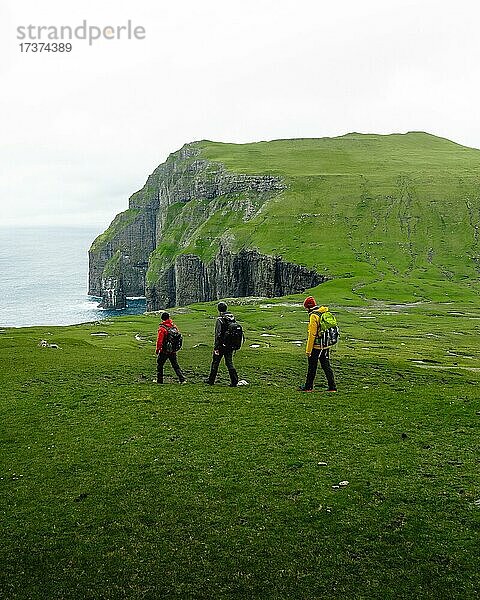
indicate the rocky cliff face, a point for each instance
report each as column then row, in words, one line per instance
column 246, row 273
column 163, row 218
column 132, row 236
column 113, row 294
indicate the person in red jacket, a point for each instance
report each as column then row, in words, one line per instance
column 162, row 354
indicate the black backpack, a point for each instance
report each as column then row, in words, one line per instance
column 173, row 341
column 233, row 334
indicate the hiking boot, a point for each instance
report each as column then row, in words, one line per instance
column 302, row 388
column 332, row 390
column 183, row 381
column 208, row 382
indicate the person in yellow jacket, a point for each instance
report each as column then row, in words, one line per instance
column 314, row 349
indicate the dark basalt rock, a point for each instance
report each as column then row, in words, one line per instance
column 246, row 273
column 113, row 294
column 135, row 242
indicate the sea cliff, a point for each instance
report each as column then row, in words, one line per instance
column 161, row 248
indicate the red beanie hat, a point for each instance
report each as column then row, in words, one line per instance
column 309, row 302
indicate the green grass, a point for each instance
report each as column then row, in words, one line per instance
column 121, row 221
column 363, row 154
column 113, row 487
column 397, row 208
column 112, row 265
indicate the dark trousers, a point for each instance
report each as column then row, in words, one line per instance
column 228, row 354
column 324, row 357
column 162, row 358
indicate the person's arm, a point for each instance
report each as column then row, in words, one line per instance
column 218, row 335
column 312, row 334
column 160, row 336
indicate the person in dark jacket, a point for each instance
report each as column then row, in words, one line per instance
column 162, row 354
column 220, row 350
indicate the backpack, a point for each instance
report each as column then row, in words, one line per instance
column 173, row 341
column 328, row 333
column 233, row 334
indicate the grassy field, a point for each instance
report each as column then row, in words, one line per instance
column 114, row 487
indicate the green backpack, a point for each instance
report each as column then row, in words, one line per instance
column 328, row 332
column 327, row 320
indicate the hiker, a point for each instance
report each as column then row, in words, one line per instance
column 169, row 341
column 318, row 345
column 225, row 344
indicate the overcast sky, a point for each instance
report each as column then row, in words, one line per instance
column 81, row 131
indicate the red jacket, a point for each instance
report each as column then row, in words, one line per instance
column 162, row 332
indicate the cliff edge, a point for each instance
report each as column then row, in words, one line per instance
column 173, row 244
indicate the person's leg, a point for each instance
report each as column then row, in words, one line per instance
column 231, row 369
column 161, row 358
column 176, row 367
column 327, row 369
column 214, row 368
column 312, row 368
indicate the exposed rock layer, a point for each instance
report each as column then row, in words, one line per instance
column 113, row 294
column 246, row 273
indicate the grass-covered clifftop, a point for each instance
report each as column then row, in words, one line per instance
column 390, row 217
column 398, row 213
column 114, row 487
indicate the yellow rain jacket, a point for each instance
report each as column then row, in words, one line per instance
column 314, row 328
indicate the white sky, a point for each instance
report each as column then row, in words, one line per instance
column 80, row 132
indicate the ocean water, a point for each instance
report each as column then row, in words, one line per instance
column 44, row 278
